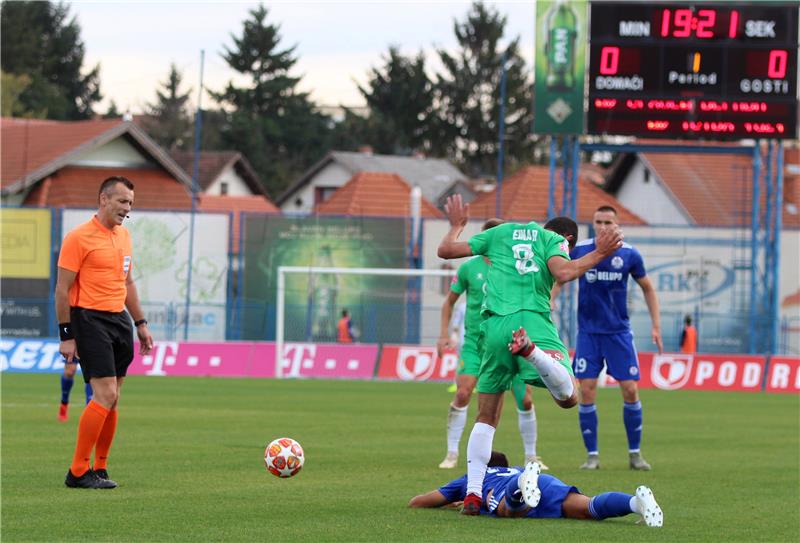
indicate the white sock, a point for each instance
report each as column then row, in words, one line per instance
column 479, row 450
column 635, row 506
column 527, row 429
column 456, row 420
column 555, row 376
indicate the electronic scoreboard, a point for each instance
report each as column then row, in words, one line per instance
column 693, row 70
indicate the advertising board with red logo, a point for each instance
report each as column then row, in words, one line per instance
column 783, row 374
column 680, row 371
column 416, row 363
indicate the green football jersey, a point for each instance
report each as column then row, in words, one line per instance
column 518, row 275
column 471, row 278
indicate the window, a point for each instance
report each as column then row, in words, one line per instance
column 223, row 188
column 322, row 194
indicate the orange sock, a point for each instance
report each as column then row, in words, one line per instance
column 89, row 428
column 104, row 440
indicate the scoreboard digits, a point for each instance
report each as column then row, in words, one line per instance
column 713, row 71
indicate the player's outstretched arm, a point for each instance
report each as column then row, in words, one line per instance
column 458, row 214
column 651, row 299
column 444, row 328
column 431, row 499
column 606, row 242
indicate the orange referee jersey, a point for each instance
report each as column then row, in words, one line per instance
column 102, row 258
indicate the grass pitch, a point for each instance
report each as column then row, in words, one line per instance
column 188, row 458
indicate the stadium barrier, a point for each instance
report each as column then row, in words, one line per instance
column 720, row 372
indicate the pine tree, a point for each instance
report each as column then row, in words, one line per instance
column 468, row 96
column 40, row 40
column 169, row 122
column 276, row 126
column 399, row 98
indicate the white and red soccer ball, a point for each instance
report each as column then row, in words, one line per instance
column 284, row 457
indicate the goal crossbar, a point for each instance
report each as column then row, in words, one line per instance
column 310, row 270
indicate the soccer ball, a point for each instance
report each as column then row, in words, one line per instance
column 284, row 457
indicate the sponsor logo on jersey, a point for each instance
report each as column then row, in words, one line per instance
column 617, row 262
column 602, row 275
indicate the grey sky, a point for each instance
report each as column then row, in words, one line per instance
column 337, row 42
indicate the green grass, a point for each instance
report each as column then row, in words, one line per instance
column 188, row 457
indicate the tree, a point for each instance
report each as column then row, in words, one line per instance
column 169, row 122
column 276, row 126
column 11, row 87
column 40, row 41
column 400, row 99
column 112, row 112
column 467, row 99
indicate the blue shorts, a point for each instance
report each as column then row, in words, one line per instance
column 554, row 492
column 615, row 351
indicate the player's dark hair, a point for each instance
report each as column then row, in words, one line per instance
column 498, row 460
column 491, row 223
column 109, row 183
column 687, row 319
column 606, row 208
column 344, row 312
column 564, row 226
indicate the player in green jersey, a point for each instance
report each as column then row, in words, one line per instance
column 526, row 260
column 471, row 278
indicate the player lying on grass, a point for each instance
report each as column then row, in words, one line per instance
column 525, row 492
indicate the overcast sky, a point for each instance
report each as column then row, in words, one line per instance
column 337, row 42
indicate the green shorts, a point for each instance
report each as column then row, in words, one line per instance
column 470, row 359
column 499, row 366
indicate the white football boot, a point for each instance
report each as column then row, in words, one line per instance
column 651, row 512
column 529, row 484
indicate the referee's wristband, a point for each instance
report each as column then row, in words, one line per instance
column 65, row 331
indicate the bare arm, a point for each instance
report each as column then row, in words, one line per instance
column 431, row 499
column 651, row 299
column 135, row 309
column 554, row 292
column 444, row 329
column 606, row 243
column 64, row 281
column 458, row 214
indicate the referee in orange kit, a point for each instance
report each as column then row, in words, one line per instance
column 93, row 288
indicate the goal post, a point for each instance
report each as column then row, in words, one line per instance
column 387, row 305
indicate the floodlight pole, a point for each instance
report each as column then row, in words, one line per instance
column 198, row 129
column 501, row 137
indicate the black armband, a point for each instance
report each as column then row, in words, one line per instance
column 65, row 331
column 140, row 322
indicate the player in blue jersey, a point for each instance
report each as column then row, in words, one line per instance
column 67, row 380
column 518, row 492
column 605, row 337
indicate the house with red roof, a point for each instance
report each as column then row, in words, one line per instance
column 689, row 189
column 433, row 176
column 62, row 163
column 375, row 194
column 525, row 195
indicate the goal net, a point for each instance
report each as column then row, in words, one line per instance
column 386, row 305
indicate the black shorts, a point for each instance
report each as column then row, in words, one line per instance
column 104, row 341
